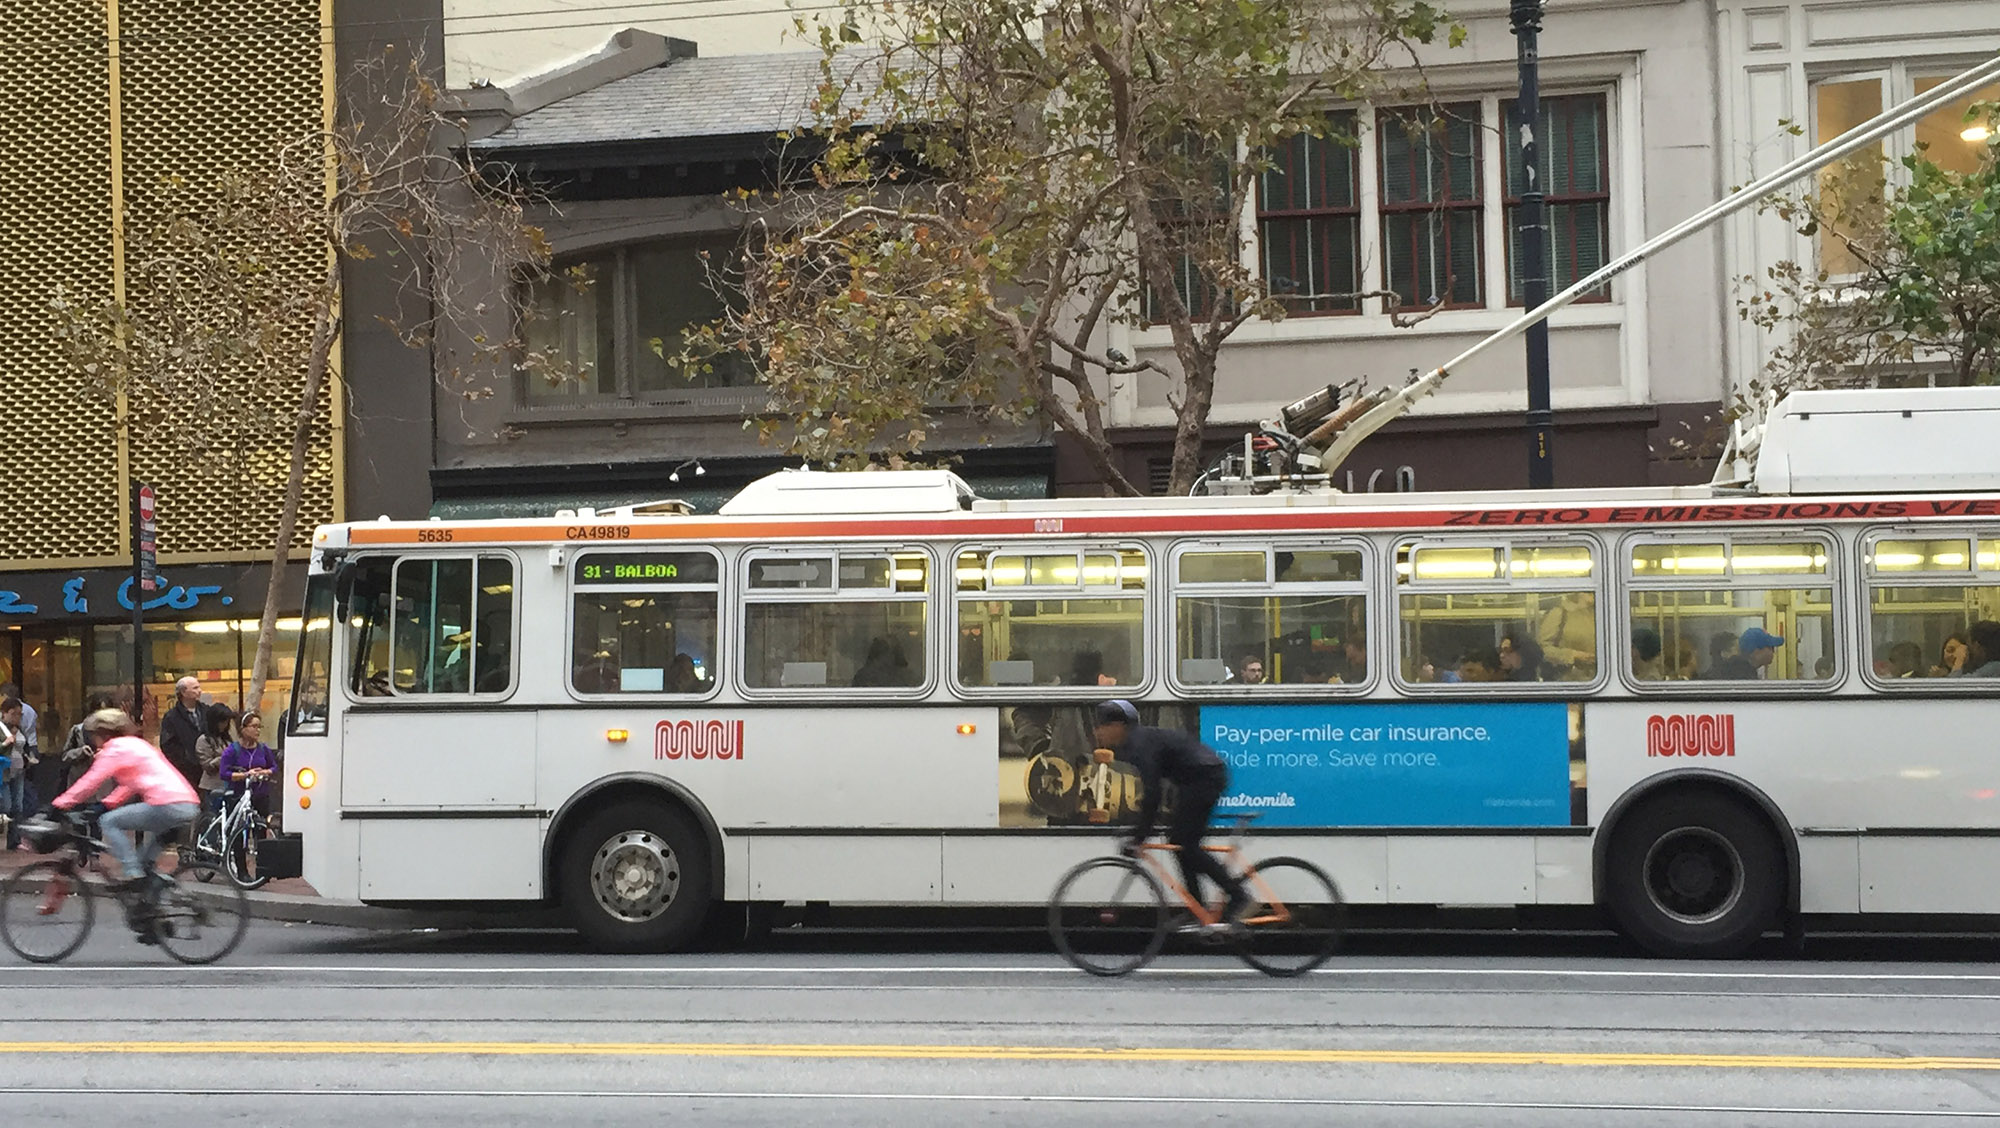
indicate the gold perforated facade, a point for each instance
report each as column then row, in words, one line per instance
column 188, row 91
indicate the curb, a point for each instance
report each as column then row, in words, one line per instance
column 290, row 908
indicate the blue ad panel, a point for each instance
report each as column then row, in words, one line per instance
column 1501, row 764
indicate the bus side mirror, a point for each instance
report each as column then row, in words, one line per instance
column 343, row 589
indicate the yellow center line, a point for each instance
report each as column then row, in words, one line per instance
column 1013, row 1053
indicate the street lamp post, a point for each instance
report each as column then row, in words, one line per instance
column 1531, row 243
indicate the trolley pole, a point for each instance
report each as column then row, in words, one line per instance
column 1531, row 242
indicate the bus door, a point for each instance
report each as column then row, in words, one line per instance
column 429, row 666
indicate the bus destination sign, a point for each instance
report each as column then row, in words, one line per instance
column 647, row 568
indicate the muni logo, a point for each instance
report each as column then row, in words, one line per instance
column 1691, row 734
column 698, row 740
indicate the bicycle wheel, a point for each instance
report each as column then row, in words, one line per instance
column 1295, row 918
column 1108, row 916
column 46, row 911
column 198, row 926
column 240, row 860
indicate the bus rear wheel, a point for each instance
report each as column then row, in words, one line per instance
column 635, row 878
column 1695, row 875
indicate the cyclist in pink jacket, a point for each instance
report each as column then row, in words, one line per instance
column 164, row 800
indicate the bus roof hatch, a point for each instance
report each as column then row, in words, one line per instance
column 806, row 493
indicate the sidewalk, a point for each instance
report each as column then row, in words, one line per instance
column 294, row 901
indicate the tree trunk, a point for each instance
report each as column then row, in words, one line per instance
column 1191, row 424
column 318, row 363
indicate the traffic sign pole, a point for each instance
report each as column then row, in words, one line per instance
column 145, row 571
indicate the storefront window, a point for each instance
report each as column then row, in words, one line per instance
column 218, row 652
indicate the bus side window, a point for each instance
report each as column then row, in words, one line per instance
column 1052, row 617
column 1257, row 617
column 1510, row 612
column 1925, row 597
column 645, row 622
column 493, row 616
column 1732, row 611
column 431, row 625
column 368, row 617
column 858, row 619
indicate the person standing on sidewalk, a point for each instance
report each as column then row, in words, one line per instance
column 14, row 753
column 208, row 750
column 181, row 728
column 76, row 750
column 30, row 728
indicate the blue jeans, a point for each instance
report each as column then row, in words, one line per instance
column 15, row 796
column 119, row 826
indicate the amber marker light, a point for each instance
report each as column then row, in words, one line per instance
column 305, row 802
column 617, row 736
column 967, row 730
column 307, row 777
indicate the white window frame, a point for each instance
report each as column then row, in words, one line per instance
column 1973, row 576
column 1174, row 590
column 834, row 593
column 1831, row 580
column 1146, row 598
column 346, row 654
column 1624, row 161
column 1596, row 583
column 717, row 589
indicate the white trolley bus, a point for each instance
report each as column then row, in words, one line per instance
column 1710, row 711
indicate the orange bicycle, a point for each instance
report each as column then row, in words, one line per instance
column 1110, row 916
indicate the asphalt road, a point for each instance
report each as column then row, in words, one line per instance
column 316, row 1026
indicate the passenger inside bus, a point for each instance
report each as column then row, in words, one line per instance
column 684, row 677
column 1646, row 655
column 1982, row 657
column 1757, row 648
column 1568, row 637
column 885, row 665
column 1480, row 664
column 1951, row 656
column 1521, row 658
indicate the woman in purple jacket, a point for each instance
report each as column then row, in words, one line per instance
column 249, row 762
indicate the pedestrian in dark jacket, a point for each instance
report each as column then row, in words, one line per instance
column 181, row 729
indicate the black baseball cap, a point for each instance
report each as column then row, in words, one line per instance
column 1117, row 712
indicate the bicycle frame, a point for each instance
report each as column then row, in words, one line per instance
column 234, row 817
column 1261, row 892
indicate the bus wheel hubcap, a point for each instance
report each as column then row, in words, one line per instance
column 1694, row 875
column 635, row 875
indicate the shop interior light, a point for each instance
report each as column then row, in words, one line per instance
column 1976, row 133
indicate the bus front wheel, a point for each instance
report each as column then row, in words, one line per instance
column 1695, row 875
column 635, row 878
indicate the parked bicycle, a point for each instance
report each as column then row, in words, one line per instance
column 228, row 843
column 47, row 908
column 1110, row 916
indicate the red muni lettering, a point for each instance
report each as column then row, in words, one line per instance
column 1691, row 734
column 698, row 740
